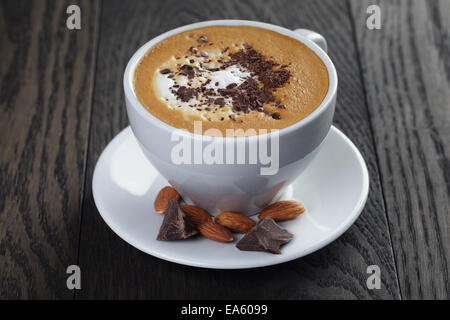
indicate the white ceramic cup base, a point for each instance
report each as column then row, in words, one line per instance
column 334, row 189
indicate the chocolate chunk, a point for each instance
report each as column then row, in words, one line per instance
column 256, row 91
column 220, row 101
column 188, row 71
column 275, row 79
column 250, row 95
column 193, row 50
column 276, row 116
column 165, row 71
column 202, row 39
column 280, row 106
column 227, row 92
column 175, row 225
column 267, row 235
column 185, row 94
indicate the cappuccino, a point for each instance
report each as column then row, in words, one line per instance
column 231, row 77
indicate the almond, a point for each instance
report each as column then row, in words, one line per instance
column 215, row 232
column 283, row 210
column 235, row 221
column 195, row 214
column 163, row 197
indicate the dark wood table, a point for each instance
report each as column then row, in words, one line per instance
column 61, row 102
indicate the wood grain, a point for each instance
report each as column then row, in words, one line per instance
column 46, row 76
column 406, row 68
column 114, row 269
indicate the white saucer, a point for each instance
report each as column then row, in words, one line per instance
column 334, row 189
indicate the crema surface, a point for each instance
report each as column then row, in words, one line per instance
column 230, row 77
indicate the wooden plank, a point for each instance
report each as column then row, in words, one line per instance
column 46, row 74
column 114, row 269
column 406, row 67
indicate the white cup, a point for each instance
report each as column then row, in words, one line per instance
column 233, row 187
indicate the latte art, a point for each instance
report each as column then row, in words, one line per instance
column 200, row 94
column 230, row 78
column 218, row 85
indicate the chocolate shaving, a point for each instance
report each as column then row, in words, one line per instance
column 188, row 71
column 185, row 94
column 220, row 101
column 202, row 39
column 250, row 96
column 279, row 106
column 276, row 116
column 165, row 71
column 285, row 65
column 256, row 91
column 274, row 79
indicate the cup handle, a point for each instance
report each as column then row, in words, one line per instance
column 314, row 37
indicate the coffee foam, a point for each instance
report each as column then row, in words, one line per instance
column 269, row 99
column 208, row 75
